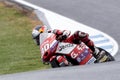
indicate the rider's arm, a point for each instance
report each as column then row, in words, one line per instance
column 61, row 34
column 56, row 31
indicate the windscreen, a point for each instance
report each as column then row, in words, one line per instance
column 42, row 37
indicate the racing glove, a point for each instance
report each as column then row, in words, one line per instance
column 60, row 34
column 63, row 35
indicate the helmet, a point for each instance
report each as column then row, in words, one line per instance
column 37, row 30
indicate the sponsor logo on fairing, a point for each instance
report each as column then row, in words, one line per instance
column 65, row 46
column 92, row 60
column 82, row 55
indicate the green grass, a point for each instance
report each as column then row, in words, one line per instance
column 18, row 53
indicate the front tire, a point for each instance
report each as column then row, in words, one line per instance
column 59, row 61
column 54, row 63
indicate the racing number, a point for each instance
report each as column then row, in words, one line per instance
column 74, row 55
column 81, row 47
column 45, row 48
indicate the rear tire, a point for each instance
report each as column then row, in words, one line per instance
column 106, row 57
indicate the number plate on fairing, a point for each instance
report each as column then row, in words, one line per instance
column 65, row 48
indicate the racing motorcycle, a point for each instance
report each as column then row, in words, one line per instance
column 60, row 54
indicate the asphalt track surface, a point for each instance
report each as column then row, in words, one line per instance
column 103, row 15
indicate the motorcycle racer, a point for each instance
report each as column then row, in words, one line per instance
column 65, row 36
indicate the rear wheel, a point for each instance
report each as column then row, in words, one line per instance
column 104, row 56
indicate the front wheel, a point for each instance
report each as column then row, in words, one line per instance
column 54, row 63
column 59, row 61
